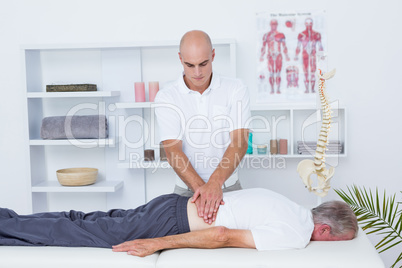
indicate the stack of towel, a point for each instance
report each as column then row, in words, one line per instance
column 308, row 147
column 74, row 127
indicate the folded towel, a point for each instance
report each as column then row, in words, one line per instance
column 74, row 127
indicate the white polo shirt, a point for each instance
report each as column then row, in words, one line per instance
column 203, row 121
column 275, row 221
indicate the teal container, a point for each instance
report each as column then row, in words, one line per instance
column 250, row 143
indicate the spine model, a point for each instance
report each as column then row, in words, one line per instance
column 308, row 167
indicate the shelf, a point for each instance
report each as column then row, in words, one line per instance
column 283, row 106
column 251, row 156
column 134, row 105
column 90, row 94
column 145, row 164
column 77, row 142
column 98, row 187
column 165, row 164
column 289, row 156
column 122, row 45
column 288, row 107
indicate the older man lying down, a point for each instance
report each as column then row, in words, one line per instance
column 171, row 221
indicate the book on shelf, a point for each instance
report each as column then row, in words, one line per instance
column 309, row 147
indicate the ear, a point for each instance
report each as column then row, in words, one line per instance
column 325, row 228
column 181, row 60
column 322, row 232
column 213, row 54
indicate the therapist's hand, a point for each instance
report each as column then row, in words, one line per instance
column 208, row 198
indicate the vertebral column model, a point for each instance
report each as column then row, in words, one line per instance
column 309, row 40
column 308, row 167
column 274, row 40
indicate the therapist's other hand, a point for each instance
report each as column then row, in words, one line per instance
column 208, row 198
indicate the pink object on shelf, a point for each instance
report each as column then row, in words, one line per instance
column 283, row 146
column 139, row 88
column 153, row 89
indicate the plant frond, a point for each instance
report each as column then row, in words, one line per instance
column 397, row 260
column 392, row 245
column 387, row 241
column 378, row 215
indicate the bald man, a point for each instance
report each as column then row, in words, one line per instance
column 203, row 126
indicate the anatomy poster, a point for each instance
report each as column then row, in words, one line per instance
column 290, row 48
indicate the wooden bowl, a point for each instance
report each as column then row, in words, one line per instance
column 77, row 176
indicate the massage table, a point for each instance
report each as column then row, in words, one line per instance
column 356, row 253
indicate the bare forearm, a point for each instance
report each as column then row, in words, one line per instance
column 182, row 166
column 210, row 238
column 232, row 157
column 215, row 237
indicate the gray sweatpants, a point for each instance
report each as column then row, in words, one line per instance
column 162, row 216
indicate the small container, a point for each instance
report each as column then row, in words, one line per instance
column 250, row 143
column 283, row 146
column 273, row 146
column 162, row 153
column 77, row 176
column 153, row 88
column 139, row 90
column 149, row 155
column 262, row 149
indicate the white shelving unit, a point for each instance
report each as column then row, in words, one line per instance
column 90, row 94
column 46, row 65
column 133, row 105
column 300, row 123
column 293, row 124
column 98, row 187
column 114, row 68
column 83, row 143
column 146, row 164
column 42, row 181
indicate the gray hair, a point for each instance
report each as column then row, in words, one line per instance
column 338, row 215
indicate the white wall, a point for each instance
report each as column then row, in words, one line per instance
column 364, row 45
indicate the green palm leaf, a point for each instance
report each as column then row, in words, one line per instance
column 376, row 215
